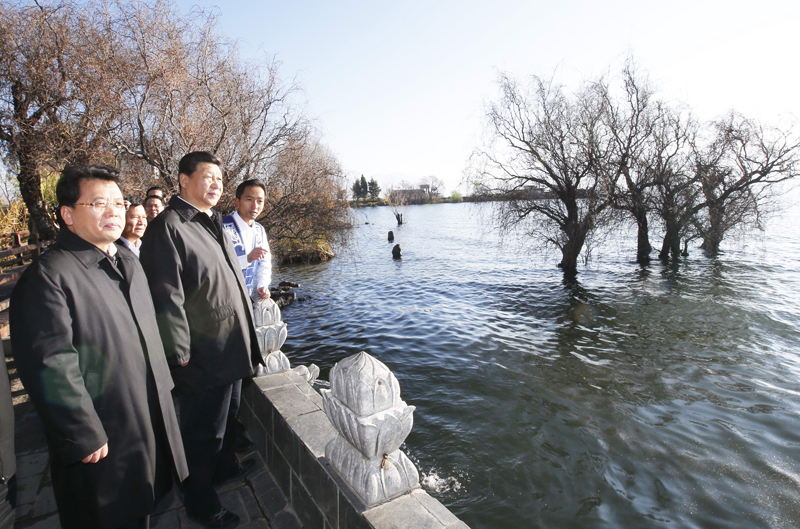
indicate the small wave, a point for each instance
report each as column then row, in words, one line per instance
column 434, row 483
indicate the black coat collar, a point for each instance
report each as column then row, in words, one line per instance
column 87, row 253
column 188, row 211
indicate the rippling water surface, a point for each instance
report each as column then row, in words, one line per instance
column 658, row 396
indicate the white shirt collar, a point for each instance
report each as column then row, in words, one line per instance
column 130, row 244
column 210, row 213
column 243, row 225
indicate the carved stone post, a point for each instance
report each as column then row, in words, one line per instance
column 272, row 333
column 372, row 422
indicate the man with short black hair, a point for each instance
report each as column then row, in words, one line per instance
column 206, row 323
column 153, row 206
column 87, row 349
column 249, row 238
column 135, row 224
column 155, row 191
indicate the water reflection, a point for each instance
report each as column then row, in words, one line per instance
column 629, row 396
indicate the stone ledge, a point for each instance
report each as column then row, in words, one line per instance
column 297, row 431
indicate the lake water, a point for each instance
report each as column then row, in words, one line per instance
column 636, row 397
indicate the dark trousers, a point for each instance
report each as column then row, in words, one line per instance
column 203, row 419
column 234, row 429
column 7, row 503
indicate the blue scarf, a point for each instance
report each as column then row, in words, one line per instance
column 230, row 225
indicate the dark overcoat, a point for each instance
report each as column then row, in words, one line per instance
column 203, row 311
column 87, row 348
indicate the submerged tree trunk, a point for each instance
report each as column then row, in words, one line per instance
column 571, row 250
column 671, row 247
column 716, row 230
column 643, row 247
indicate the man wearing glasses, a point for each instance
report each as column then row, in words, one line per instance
column 87, row 347
column 206, row 323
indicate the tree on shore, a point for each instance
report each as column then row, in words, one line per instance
column 54, row 104
column 306, row 210
column 137, row 85
column 374, row 189
column 360, row 188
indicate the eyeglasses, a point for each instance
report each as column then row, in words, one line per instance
column 102, row 205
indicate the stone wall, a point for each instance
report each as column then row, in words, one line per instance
column 285, row 418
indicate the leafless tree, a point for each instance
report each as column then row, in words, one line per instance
column 54, row 100
column 631, row 121
column 737, row 174
column 398, row 199
column 307, row 209
column 543, row 157
column 186, row 88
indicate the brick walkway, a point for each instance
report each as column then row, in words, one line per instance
column 257, row 499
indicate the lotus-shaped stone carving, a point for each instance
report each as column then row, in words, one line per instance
column 276, row 362
column 373, row 435
column 373, row 480
column 271, row 337
column 364, row 384
column 265, row 312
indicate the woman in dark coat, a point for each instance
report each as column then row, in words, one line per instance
column 87, row 347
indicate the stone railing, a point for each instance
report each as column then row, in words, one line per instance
column 336, row 456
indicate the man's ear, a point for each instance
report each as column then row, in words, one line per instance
column 66, row 215
column 183, row 181
column 236, row 203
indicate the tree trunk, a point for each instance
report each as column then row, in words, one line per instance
column 643, row 247
column 713, row 237
column 672, row 243
column 30, row 188
column 571, row 250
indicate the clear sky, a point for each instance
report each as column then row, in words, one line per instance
column 399, row 88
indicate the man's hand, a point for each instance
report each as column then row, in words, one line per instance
column 96, row 456
column 263, row 292
column 257, row 253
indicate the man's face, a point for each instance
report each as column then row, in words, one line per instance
column 99, row 227
column 135, row 223
column 152, row 207
column 203, row 187
column 251, row 204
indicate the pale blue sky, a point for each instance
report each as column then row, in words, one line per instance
column 399, row 88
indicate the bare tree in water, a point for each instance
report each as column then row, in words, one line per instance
column 738, row 173
column 398, row 199
column 543, row 159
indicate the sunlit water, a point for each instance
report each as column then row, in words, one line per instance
column 663, row 396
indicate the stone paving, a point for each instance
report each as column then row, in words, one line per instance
column 256, row 499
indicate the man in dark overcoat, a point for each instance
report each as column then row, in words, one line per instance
column 86, row 343
column 206, row 323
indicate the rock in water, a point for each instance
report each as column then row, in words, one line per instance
column 397, row 252
column 391, row 236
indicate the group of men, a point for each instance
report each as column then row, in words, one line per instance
column 132, row 335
